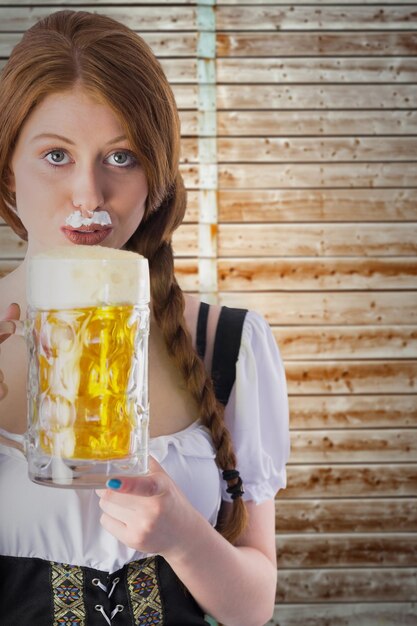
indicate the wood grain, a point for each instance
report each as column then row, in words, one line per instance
column 362, row 584
column 310, row 96
column 388, row 445
column 346, row 550
column 346, row 342
column 353, row 411
column 346, row 613
column 343, row 515
column 304, row 274
column 317, row 205
column 330, row 307
column 381, row 480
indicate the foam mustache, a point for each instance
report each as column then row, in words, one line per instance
column 75, row 220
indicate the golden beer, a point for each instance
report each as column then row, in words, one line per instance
column 87, row 360
column 87, row 334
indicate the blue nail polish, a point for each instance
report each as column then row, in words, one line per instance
column 114, row 483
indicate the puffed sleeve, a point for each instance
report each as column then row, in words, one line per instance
column 257, row 413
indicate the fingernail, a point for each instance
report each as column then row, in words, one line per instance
column 114, row 483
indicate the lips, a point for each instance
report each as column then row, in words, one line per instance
column 86, row 235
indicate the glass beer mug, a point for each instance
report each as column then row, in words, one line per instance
column 87, row 333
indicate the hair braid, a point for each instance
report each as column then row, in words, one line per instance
column 168, row 308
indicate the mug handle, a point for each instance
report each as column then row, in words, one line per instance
column 12, row 440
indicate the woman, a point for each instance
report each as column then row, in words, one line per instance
column 88, row 125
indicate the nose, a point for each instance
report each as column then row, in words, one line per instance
column 88, row 190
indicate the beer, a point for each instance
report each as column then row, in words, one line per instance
column 87, row 333
column 88, row 361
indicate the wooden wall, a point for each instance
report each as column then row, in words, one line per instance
column 299, row 152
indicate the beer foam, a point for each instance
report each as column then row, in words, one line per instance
column 69, row 277
column 75, row 220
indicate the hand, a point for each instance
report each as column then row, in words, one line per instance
column 148, row 513
column 12, row 313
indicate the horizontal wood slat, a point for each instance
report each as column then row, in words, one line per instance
column 307, row 240
column 346, row 550
column 289, row 17
column 299, row 274
column 320, row 377
column 351, row 481
column 346, row 614
column 141, row 18
column 279, row 150
column 330, row 307
column 353, row 411
column 316, row 123
column 343, row 515
column 317, row 70
column 307, row 175
column 346, row 342
column 324, row 96
column 294, row 44
column 352, row 446
column 305, row 43
column 168, row 44
column 304, row 240
column 362, row 584
column 317, row 205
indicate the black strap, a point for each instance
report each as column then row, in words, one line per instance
column 226, row 351
column 201, row 338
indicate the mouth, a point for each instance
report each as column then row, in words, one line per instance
column 86, row 235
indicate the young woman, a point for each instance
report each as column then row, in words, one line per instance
column 88, row 124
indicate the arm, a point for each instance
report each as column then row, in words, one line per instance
column 234, row 584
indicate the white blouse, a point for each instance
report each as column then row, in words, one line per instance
column 63, row 525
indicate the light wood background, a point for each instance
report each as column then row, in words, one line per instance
column 313, row 223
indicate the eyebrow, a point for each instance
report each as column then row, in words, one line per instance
column 61, row 138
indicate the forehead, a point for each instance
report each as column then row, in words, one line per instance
column 77, row 111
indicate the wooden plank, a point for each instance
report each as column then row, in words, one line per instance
column 352, row 17
column 11, row 246
column 298, row 343
column 167, row 44
column 301, row 274
column 7, row 266
column 344, row 515
column 301, row 149
column 281, row 44
column 345, row 614
column 321, row 240
column 351, row 481
column 141, row 18
column 310, row 175
column 281, row 240
column 331, row 307
column 342, row 70
column 346, row 550
column 355, row 584
column 324, row 96
column 363, row 377
column 353, row 411
column 177, row 70
column 388, row 445
column 317, row 123
column 317, row 205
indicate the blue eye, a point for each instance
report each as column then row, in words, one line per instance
column 56, row 157
column 121, row 158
